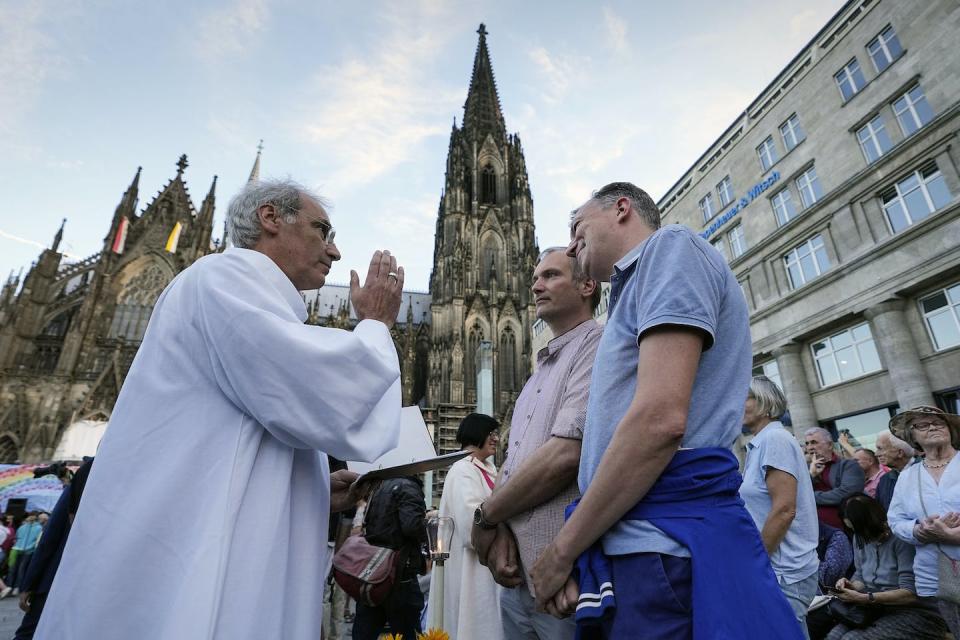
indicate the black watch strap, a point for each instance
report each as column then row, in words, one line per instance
column 482, row 522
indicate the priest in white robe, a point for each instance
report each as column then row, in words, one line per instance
column 206, row 514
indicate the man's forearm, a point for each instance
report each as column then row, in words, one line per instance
column 547, row 473
column 775, row 530
column 639, row 451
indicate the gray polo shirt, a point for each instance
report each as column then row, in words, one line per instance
column 674, row 277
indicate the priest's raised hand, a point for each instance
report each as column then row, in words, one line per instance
column 379, row 297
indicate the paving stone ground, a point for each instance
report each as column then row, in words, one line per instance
column 10, row 616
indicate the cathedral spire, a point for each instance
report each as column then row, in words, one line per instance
column 213, row 188
column 57, row 238
column 481, row 111
column 133, row 191
column 255, row 171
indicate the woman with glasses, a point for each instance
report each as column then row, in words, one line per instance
column 925, row 510
column 471, row 599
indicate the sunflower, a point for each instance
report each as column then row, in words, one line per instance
column 434, row 634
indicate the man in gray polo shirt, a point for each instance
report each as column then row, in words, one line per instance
column 672, row 371
column 539, row 478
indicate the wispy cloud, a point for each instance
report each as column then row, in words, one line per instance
column 31, row 243
column 228, row 30
column 616, row 30
column 557, row 71
column 379, row 107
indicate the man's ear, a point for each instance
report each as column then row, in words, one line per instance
column 624, row 209
column 588, row 286
column 269, row 219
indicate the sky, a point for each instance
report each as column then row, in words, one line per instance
column 356, row 100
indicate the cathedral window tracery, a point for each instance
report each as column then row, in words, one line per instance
column 508, row 360
column 136, row 302
column 488, row 185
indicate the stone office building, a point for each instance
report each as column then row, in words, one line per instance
column 835, row 197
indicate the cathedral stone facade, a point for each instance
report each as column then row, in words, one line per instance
column 69, row 330
column 68, row 335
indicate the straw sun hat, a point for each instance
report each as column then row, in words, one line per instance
column 900, row 423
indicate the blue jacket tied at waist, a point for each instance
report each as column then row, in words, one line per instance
column 735, row 592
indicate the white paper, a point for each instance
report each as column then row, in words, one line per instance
column 415, row 445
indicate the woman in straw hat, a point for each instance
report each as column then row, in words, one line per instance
column 925, row 510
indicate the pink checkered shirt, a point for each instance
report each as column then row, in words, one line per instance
column 552, row 403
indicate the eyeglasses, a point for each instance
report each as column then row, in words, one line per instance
column 326, row 229
column 927, row 426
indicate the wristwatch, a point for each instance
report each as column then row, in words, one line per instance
column 870, row 598
column 480, row 521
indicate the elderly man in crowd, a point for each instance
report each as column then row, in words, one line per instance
column 665, row 406
column 235, row 402
column 539, row 477
column 897, row 455
column 834, row 478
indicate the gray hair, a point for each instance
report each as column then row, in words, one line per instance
column 897, row 443
column 243, row 223
column 644, row 205
column 768, row 396
column 819, row 431
column 578, row 274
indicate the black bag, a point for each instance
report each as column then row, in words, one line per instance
column 855, row 616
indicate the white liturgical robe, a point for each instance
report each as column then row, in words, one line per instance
column 205, row 515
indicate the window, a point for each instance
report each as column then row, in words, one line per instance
column 864, row 427
column 738, row 244
column 884, row 49
column 912, row 110
column 706, row 207
column 767, row 153
column 792, row 132
column 508, row 360
column 783, row 207
column 725, row 191
column 771, row 370
column 806, row 262
column 915, row 197
column 873, row 139
column 719, row 246
column 809, row 187
column 850, row 80
column 846, row 355
column 941, row 311
column 488, row 185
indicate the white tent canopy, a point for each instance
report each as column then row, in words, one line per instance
column 80, row 439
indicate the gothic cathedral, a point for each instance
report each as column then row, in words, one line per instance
column 484, row 254
column 68, row 335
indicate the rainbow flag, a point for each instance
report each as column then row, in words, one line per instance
column 174, row 238
column 14, row 474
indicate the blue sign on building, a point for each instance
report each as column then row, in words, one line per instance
column 755, row 191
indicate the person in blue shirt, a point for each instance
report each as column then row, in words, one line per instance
column 660, row 538
column 779, row 496
column 28, row 534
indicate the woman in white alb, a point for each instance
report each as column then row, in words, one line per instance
column 471, row 600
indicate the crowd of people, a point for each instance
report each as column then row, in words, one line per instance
column 623, row 508
column 848, row 563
